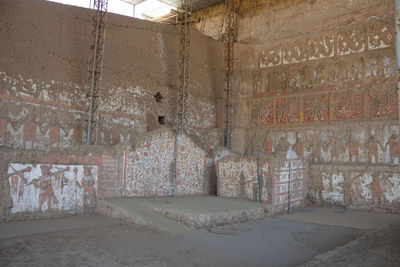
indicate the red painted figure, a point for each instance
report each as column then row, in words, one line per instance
column 394, row 148
column 89, row 190
column 18, row 181
column 45, row 186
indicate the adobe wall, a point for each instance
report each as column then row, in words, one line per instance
column 43, row 77
column 44, row 71
column 53, row 183
column 318, row 77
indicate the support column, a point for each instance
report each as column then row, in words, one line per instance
column 95, row 70
column 186, row 12
column 229, row 40
column 397, row 43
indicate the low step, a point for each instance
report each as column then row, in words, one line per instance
column 174, row 215
column 201, row 220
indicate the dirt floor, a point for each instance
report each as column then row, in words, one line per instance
column 314, row 236
column 341, row 217
column 380, row 247
column 101, row 241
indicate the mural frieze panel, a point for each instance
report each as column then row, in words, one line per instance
column 375, row 67
column 316, row 108
column 355, row 39
column 347, row 106
column 382, row 103
column 287, row 110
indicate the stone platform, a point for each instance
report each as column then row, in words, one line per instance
column 194, row 212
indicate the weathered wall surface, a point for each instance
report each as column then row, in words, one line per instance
column 150, row 166
column 38, row 183
column 317, row 78
column 362, row 186
column 43, row 73
column 237, row 178
column 261, row 21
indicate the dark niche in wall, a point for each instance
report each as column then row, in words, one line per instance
column 161, row 120
column 158, row 97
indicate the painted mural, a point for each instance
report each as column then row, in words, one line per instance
column 39, row 114
column 290, row 175
column 50, row 187
column 355, row 39
column 150, row 166
column 362, row 187
column 237, row 178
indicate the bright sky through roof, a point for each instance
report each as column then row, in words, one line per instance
column 114, row 6
column 152, row 8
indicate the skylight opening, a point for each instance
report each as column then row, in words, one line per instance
column 152, row 10
column 146, row 10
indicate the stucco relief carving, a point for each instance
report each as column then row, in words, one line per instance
column 382, row 103
column 264, row 113
column 355, row 39
column 347, row 105
column 379, row 36
column 287, row 110
column 349, row 42
column 316, row 108
column 313, row 76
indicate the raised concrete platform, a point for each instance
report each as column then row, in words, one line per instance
column 194, row 212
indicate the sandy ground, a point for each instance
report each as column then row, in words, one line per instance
column 380, row 247
column 101, row 241
column 347, row 218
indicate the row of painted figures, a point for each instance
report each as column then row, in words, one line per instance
column 48, row 185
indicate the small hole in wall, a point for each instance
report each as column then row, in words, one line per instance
column 161, row 120
column 158, row 97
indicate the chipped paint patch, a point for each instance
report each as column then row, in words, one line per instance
column 332, row 191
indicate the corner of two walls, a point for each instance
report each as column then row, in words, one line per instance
column 324, row 87
column 277, row 180
column 42, row 91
